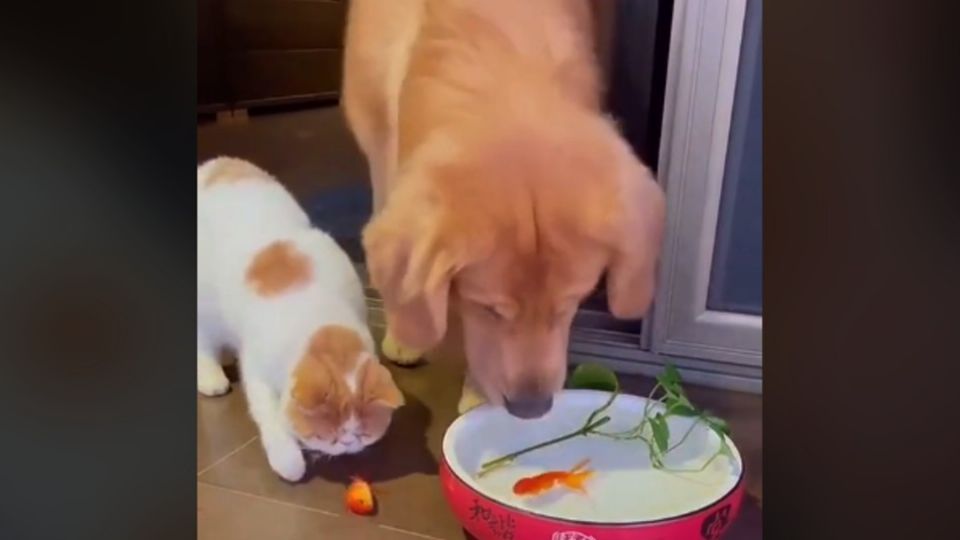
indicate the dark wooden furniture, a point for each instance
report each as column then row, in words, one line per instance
column 258, row 53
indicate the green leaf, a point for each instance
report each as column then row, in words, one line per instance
column 593, row 377
column 677, row 407
column 669, row 378
column 655, row 458
column 661, row 432
column 678, row 399
column 717, row 424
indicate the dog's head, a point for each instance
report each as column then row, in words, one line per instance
column 514, row 237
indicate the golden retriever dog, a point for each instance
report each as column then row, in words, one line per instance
column 501, row 190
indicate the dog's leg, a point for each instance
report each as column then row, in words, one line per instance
column 379, row 178
column 377, row 184
column 381, row 171
column 383, row 165
column 398, row 353
column 470, row 396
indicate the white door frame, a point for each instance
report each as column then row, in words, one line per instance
column 701, row 83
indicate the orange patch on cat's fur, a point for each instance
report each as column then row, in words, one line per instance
column 278, row 268
column 228, row 169
column 337, row 345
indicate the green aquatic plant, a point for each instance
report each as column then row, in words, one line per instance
column 666, row 399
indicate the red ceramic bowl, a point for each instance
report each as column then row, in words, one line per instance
column 626, row 498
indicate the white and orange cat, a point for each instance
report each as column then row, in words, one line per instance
column 286, row 298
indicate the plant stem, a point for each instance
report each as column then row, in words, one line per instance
column 685, row 435
column 698, row 469
column 501, row 461
column 633, row 432
column 646, row 406
column 605, row 406
column 631, row 437
column 637, row 432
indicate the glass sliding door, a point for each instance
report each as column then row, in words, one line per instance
column 709, row 305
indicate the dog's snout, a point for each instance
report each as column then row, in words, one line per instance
column 529, row 407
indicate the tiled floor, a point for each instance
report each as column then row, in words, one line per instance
column 239, row 497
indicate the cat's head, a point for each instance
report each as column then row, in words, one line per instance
column 341, row 398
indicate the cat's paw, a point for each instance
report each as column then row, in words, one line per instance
column 286, row 458
column 469, row 398
column 398, row 354
column 211, row 380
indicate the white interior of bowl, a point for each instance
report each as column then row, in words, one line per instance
column 625, row 488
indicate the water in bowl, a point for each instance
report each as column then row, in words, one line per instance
column 625, row 487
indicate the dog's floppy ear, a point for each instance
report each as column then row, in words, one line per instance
column 411, row 268
column 631, row 274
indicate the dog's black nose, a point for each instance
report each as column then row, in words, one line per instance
column 528, row 408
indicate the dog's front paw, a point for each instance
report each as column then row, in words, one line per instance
column 398, row 354
column 286, row 458
column 211, row 380
column 469, row 398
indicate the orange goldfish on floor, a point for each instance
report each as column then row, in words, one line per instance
column 572, row 479
column 360, row 497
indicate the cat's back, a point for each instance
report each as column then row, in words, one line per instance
column 314, row 276
column 333, row 271
column 260, row 258
column 239, row 205
column 241, row 210
column 296, row 285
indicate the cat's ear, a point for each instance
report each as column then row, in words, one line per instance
column 376, row 385
column 314, row 384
